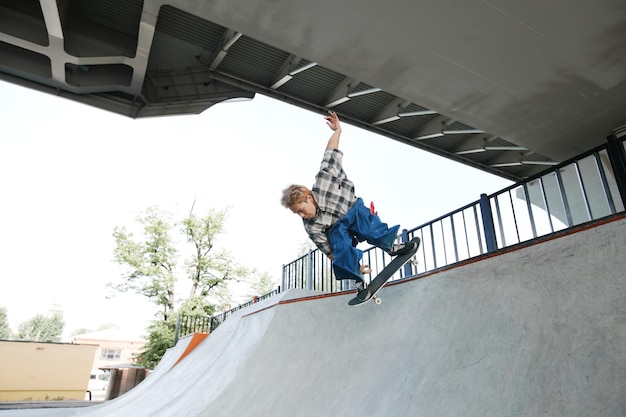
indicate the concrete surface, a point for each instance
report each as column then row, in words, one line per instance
column 539, row 331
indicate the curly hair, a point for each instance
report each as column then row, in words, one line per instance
column 294, row 194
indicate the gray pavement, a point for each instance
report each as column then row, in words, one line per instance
column 538, row 331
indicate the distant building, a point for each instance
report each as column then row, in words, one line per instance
column 39, row 371
column 114, row 346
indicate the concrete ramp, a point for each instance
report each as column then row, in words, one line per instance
column 537, row 331
column 540, row 331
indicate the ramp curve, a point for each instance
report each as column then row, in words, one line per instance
column 536, row 331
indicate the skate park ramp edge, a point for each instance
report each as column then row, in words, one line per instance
column 536, row 331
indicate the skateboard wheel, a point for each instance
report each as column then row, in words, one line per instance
column 378, row 300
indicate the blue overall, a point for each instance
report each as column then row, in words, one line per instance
column 356, row 226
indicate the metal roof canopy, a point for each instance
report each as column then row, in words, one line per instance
column 506, row 87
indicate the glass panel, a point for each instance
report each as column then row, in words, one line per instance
column 594, row 191
column 522, row 214
column 449, row 241
column 476, row 232
column 439, row 247
column 541, row 218
column 460, row 234
column 554, row 200
column 505, row 221
column 573, row 192
column 420, row 257
column 610, row 179
column 427, row 246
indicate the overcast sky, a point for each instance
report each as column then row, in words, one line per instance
column 70, row 173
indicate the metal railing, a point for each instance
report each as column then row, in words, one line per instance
column 188, row 324
column 583, row 189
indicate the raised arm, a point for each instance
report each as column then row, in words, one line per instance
column 332, row 120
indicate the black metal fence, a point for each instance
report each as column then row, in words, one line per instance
column 583, row 189
column 188, row 324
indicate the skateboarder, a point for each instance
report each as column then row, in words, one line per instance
column 335, row 219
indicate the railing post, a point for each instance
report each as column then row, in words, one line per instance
column 309, row 270
column 488, row 226
column 617, row 156
column 407, row 266
column 177, row 328
column 282, row 278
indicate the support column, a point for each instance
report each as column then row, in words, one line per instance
column 488, row 226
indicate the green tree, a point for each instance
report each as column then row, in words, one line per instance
column 209, row 269
column 42, row 328
column 150, row 264
column 160, row 337
column 153, row 269
column 5, row 329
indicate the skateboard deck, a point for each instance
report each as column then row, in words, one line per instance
column 377, row 283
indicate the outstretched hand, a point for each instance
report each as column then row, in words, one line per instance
column 365, row 269
column 332, row 120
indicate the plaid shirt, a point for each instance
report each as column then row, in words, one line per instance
column 334, row 194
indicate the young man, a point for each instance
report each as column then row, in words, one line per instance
column 335, row 219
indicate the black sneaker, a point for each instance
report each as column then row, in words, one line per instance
column 401, row 248
column 359, row 285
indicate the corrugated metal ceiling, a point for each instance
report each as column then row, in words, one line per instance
column 195, row 63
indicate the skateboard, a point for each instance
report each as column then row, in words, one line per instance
column 381, row 279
